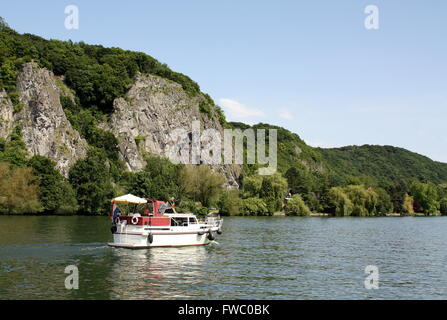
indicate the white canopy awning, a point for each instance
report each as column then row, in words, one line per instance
column 129, row 198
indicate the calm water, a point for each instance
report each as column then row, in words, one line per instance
column 255, row 258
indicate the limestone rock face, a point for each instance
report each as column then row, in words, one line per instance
column 145, row 119
column 46, row 130
column 6, row 115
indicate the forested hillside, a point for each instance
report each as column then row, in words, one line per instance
column 384, row 164
column 73, row 115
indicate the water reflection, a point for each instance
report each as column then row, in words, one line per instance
column 157, row 273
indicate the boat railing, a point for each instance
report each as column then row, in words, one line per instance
column 214, row 221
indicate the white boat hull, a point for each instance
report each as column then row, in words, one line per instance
column 135, row 237
column 129, row 240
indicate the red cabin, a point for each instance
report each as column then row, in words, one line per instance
column 152, row 213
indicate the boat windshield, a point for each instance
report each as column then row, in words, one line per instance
column 131, row 209
column 192, row 221
column 179, row 222
column 164, row 208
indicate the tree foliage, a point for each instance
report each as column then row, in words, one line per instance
column 273, row 190
column 443, row 206
column 254, row 207
column 160, row 179
column 55, row 193
column 201, row 183
column 340, row 202
column 297, row 207
column 18, row 191
column 384, row 164
column 425, row 197
column 229, row 202
column 408, row 205
column 91, row 180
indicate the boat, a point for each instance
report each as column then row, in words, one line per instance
column 139, row 223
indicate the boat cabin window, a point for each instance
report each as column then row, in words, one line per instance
column 149, row 209
column 162, row 208
column 169, row 210
column 179, row 222
column 192, row 221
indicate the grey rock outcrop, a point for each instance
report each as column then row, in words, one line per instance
column 46, row 130
column 6, row 115
column 151, row 110
column 142, row 121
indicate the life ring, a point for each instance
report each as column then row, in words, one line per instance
column 134, row 220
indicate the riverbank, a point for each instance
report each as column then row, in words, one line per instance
column 276, row 214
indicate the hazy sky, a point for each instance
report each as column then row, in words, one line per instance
column 309, row 66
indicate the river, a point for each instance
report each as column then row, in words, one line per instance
column 255, row 258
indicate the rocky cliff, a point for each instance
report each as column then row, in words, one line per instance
column 45, row 128
column 142, row 120
column 151, row 110
column 6, row 115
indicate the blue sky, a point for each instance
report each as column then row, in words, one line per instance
column 309, row 66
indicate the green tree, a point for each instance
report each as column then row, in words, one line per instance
column 364, row 201
column 299, row 180
column 340, row 203
column 312, row 201
column 297, row 207
column 90, row 178
column 18, row 191
column 160, row 180
column 55, row 193
column 273, row 190
column 425, row 197
column 229, row 202
column 252, row 185
column 14, row 150
column 443, row 206
column 201, row 183
column 408, row 205
column 384, row 203
column 397, row 192
column 254, row 207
